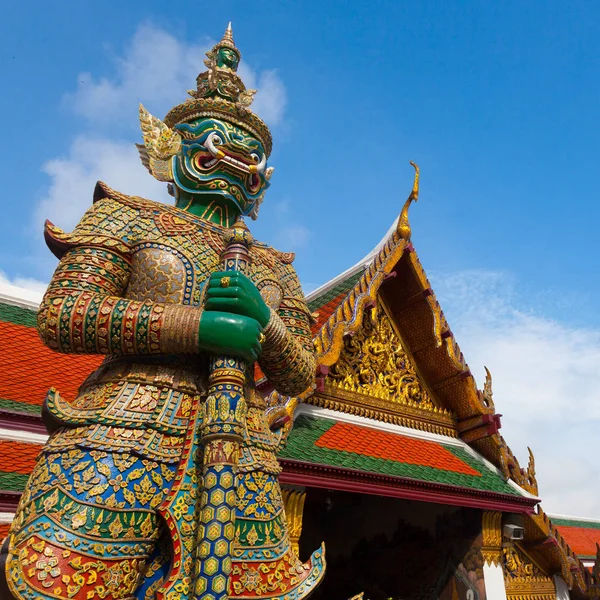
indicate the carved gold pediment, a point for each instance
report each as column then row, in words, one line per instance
column 375, row 362
column 523, row 578
column 376, row 376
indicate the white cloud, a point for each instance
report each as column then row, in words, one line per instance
column 271, row 99
column 73, row 178
column 293, row 237
column 22, row 288
column 157, row 69
column 545, row 383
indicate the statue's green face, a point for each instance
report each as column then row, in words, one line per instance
column 227, row 58
column 221, row 162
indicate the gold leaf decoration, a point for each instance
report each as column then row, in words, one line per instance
column 374, row 362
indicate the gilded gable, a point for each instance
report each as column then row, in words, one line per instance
column 376, row 376
column 375, row 362
column 524, row 580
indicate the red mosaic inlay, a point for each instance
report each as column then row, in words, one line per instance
column 325, row 311
column 389, row 446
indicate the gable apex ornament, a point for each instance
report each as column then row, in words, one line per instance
column 403, row 227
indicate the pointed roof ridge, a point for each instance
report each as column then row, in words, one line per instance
column 360, row 265
column 561, row 517
column 19, row 296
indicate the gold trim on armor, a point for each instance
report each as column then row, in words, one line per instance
column 179, row 334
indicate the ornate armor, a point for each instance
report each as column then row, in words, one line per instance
column 119, row 505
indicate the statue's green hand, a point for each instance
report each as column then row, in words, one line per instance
column 238, row 296
column 226, row 334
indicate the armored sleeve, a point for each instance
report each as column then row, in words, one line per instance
column 84, row 311
column 288, row 355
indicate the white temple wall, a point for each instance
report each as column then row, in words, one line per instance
column 562, row 591
column 494, row 582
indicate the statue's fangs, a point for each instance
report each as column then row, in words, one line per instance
column 160, row 479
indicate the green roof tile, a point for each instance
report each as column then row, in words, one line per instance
column 19, row 407
column 13, row 482
column 18, row 315
column 343, row 286
column 307, row 430
column 575, row 523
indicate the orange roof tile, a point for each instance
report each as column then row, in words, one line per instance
column 29, row 368
column 4, row 527
column 582, row 540
column 18, row 457
column 326, row 310
column 381, row 444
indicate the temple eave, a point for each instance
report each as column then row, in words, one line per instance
column 303, row 473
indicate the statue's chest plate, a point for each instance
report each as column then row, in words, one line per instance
column 174, row 266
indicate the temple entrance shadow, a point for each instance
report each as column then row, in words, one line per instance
column 391, row 548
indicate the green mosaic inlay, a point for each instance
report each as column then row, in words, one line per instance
column 18, row 315
column 344, row 286
column 19, row 407
column 307, row 430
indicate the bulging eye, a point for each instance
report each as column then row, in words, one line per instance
column 255, row 157
column 215, row 139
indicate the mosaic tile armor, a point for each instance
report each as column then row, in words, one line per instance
column 132, row 496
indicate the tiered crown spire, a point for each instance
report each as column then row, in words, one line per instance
column 227, row 40
column 220, row 93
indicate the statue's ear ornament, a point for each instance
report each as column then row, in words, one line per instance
column 161, row 143
column 253, row 214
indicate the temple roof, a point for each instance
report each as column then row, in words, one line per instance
column 394, row 461
column 326, row 298
column 392, row 274
column 17, row 460
column 33, row 367
column 582, row 535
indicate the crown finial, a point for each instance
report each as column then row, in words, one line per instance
column 226, row 42
column 228, row 37
column 220, row 90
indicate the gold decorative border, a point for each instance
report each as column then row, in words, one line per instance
column 347, row 317
column 533, row 590
column 433, row 420
column 491, row 529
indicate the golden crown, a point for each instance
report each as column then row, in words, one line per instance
column 220, row 93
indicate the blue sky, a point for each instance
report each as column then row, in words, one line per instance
column 497, row 103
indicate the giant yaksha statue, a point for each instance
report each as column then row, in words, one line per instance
column 160, row 479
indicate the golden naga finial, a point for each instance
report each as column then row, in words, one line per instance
column 529, row 480
column 403, row 227
column 488, row 393
column 531, row 464
column 486, row 396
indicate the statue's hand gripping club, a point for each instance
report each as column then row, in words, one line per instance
column 224, row 414
column 233, row 292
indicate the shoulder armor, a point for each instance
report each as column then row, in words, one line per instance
column 60, row 241
column 105, row 225
column 102, row 191
column 287, row 258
